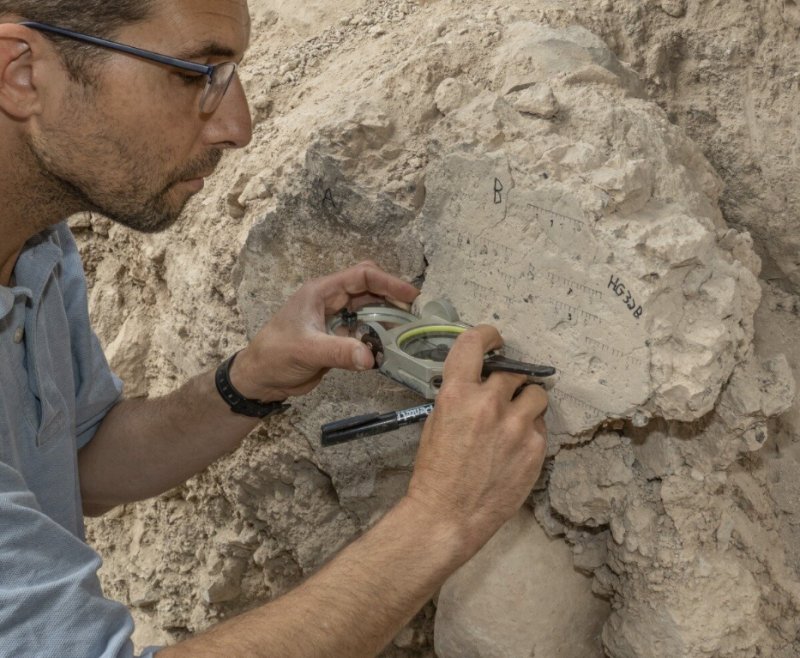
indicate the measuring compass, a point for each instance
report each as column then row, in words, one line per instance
column 411, row 349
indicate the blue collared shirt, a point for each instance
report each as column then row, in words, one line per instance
column 55, row 389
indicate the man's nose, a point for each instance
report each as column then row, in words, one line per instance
column 231, row 126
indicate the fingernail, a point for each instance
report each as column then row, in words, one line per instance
column 362, row 359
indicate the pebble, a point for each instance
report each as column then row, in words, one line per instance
column 538, row 100
column 291, row 65
column 674, row 8
column 405, row 638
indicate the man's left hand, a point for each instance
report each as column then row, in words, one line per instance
column 294, row 351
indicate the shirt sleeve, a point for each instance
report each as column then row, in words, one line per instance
column 51, row 603
column 97, row 389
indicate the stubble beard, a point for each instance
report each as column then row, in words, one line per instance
column 115, row 181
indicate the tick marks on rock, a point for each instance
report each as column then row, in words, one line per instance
column 621, row 291
column 482, row 247
column 561, row 396
column 574, row 313
column 481, row 290
column 558, row 281
column 556, row 220
column 615, row 352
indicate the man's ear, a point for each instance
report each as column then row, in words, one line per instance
column 19, row 97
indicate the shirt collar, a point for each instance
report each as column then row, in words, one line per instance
column 7, row 297
column 34, row 266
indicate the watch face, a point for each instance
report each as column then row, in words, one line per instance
column 430, row 343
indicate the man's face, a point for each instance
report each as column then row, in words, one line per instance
column 135, row 146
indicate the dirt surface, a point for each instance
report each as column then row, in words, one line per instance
column 671, row 129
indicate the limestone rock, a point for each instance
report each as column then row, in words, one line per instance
column 584, row 486
column 538, row 100
column 127, row 355
column 223, row 582
column 491, row 606
column 675, row 8
column 453, row 93
column 532, row 53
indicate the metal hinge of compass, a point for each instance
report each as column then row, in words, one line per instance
column 383, row 329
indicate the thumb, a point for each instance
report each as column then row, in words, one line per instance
column 339, row 352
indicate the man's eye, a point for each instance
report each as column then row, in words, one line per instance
column 191, row 78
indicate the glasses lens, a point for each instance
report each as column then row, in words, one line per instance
column 218, row 83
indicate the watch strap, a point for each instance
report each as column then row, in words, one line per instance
column 237, row 402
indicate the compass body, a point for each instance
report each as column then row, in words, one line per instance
column 411, row 350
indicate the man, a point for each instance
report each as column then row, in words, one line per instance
column 86, row 126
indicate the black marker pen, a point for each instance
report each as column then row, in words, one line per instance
column 357, row 427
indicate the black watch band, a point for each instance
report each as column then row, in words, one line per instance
column 237, row 402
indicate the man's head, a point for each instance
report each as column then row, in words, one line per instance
column 106, row 131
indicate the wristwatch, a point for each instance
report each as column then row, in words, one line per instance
column 237, row 402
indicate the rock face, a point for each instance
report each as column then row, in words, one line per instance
column 492, row 606
column 519, row 169
column 595, row 242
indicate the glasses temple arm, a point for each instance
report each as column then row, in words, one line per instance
column 121, row 47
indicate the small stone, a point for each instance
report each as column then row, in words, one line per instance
column 223, row 582
column 538, row 100
column 452, row 94
column 405, row 638
column 675, row 8
column 221, row 591
column 291, row 65
column 142, row 595
column 81, row 222
column 377, row 31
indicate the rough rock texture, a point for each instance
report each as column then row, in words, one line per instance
column 508, row 581
column 673, row 468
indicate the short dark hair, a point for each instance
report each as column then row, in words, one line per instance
column 102, row 18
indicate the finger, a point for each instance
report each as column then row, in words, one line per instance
column 365, row 278
column 403, row 306
column 506, row 383
column 325, row 351
column 540, row 427
column 359, row 302
column 465, row 360
column 532, row 402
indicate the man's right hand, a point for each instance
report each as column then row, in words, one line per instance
column 482, row 449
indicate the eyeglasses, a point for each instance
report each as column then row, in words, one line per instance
column 219, row 75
